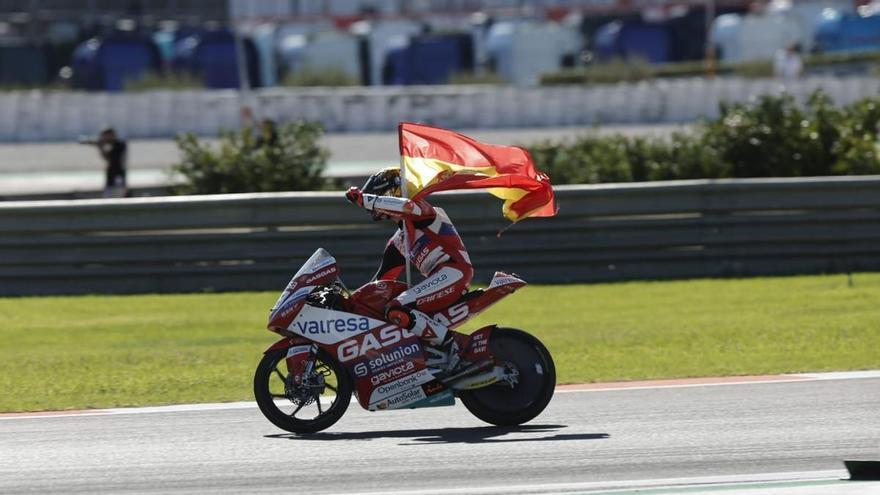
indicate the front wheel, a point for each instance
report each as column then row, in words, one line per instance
column 313, row 405
column 506, row 404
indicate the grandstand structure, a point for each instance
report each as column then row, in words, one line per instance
column 34, row 12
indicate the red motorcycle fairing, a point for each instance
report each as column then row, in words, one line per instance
column 387, row 364
column 477, row 301
column 395, row 375
column 388, row 367
column 475, row 347
column 286, row 343
column 372, row 297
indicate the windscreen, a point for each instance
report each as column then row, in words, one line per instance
column 318, row 260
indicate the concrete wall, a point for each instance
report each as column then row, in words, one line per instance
column 47, row 116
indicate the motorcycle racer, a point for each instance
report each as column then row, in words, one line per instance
column 434, row 248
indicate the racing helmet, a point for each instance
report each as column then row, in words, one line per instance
column 385, row 182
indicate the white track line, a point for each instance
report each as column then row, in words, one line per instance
column 799, row 377
column 841, row 375
column 729, row 481
column 217, row 406
column 745, row 380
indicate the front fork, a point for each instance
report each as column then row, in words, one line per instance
column 300, row 363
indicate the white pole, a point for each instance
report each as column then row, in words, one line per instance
column 711, row 56
column 244, row 83
column 403, row 193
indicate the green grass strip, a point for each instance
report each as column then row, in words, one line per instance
column 110, row 351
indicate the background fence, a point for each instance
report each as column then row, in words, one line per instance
column 681, row 229
column 56, row 115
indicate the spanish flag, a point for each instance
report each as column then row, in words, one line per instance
column 434, row 159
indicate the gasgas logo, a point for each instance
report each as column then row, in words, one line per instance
column 453, row 314
column 320, row 274
column 388, row 336
column 422, row 255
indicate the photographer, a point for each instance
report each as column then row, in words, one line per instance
column 114, row 151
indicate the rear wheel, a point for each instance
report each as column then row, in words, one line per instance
column 313, row 405
column 506, row 404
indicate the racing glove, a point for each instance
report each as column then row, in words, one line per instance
column 355, row 196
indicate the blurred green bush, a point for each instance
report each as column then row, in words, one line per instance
column 164, row 80
column 319, row 77
column 247, row 161
column 465, row 78
column 774, row 137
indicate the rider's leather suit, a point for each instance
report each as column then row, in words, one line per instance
column 435, row 249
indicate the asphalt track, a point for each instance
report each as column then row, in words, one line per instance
column 784, row 438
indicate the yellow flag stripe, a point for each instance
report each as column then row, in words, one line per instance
column 422, row 172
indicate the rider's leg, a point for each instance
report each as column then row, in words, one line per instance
column 436, row 292
column 432, row 332
column 439, row 290
column 441, row 347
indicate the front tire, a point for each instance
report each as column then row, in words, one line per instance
column 502, row 405
column 293, row 408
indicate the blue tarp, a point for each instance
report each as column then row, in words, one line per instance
column 429, row 59
column 632, row 40
column 23, row 64
column 106, row 64
column 849, row 33
column 212, row 56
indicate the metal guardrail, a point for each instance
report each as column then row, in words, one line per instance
column 680, row 229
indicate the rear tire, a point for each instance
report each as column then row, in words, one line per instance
column 502, row 405
column 270, row 385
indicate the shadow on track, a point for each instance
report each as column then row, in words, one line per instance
column 486, row 434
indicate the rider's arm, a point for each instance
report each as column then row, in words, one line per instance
column 399, row 207
column 392, row 206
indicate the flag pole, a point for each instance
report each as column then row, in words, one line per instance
column 403, row 193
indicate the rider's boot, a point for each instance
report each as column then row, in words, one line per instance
column 443, row 356
column 441, row 346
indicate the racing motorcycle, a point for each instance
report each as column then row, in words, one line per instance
column 335, row 343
